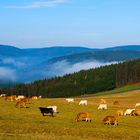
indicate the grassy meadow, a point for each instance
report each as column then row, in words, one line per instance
column 29, row 124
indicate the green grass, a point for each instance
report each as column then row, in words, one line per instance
column 29, row 124
column 118, row 90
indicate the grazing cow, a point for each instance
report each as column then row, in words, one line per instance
column 3, row 95
column 83, row 116
column 44, row 110
column 102, row 106
column 137, row 105
column 26, row 100
column 110, row 120
column 136, row 112
column 83, row 102
column 10, row 98
column 103, row 101
column 21, row 104
column 34, row 98
column 39, row 97
column 20, row 97
column 128, row 112
column 115, row 103
column 119, row 112
column 70, row 100
column 54, row 108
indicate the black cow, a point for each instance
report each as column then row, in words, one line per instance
column 46, row 110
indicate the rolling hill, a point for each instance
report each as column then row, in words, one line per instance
column 27, row 65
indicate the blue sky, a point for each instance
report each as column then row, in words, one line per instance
column 90, row 23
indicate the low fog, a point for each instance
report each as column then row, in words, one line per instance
column 7, row 74
column 64, row 67
column 22, row 72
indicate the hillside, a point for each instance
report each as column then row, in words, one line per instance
column 27, row 65
column 84, row 82
column 100, row 56
column 127, row 47
column 11, row 51
column 57, row 51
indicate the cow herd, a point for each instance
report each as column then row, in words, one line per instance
column 110, row 120
column 22, row 101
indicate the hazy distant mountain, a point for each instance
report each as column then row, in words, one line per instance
column 102, row 56
column 25, row 65
column 127, row 47
column 11, row 51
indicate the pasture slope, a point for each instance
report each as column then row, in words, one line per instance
column 29, row 124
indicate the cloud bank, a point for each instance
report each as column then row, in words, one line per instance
column 63, row 67
column 7, row 74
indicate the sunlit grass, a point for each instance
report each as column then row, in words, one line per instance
column 28, row 123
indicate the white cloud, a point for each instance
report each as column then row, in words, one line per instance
column 14, row 62
column 63, row 67
column 7, row 73
column 38, row 4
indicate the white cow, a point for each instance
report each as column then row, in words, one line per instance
column 39, row 97
column 83, row 102
column 20, row 97
column 102, row 106
column 2, row 95
column 70, row 100
column 53, row 107
column 137, row 105
column 128, row 112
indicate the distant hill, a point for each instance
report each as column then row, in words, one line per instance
column 11, row 51
column 57, row 51
column 127, row 47
column 102, row 56
column 26, row 65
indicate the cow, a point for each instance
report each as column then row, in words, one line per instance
column 110, row 120
column 34, row 98
column 135, row 112
column 115, row 103
column 3, row 95
column 26, row 100
column 39, row 97
column 103, row 101
column 119, row 112
column 21, row 104
column 10, row 98
column 70, row 100
column 128, row 112
column 83, row 116
column 20, row 97
column 137, row 105
column 54, row 108
column 44, row 110
column 83, row 102
column 102, row 106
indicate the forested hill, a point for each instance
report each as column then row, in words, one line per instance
column 84, row 82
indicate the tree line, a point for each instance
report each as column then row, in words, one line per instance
column 84, row 82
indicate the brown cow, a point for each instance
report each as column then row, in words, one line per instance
column 26, row 100
column 10, row 98
column 21, row 104
column 115, row 103
column 83, row 116
column 135, row 112
column 34, row 98
column 103, row 101
column 110, row 120
column 119, row 112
